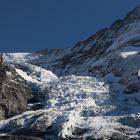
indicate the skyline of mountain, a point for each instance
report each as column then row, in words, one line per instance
column 27, row 26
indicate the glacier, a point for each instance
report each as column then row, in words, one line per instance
column 88, row 92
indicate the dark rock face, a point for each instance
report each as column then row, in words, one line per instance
column 12, row 137
column 133, row 15
column 14, row 93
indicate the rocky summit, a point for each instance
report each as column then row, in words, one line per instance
column 88, row 92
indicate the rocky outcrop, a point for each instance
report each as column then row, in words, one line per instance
column 14, row 92
column 18, row 138
column 133, row 15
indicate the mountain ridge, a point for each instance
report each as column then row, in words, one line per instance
column 90, row 91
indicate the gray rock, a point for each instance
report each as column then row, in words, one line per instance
column 14, row 92
column 12, row 137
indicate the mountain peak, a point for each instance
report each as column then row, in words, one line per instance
column 137, row 8
column 133, row 15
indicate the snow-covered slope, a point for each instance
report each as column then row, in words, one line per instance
column 96, row 93
column 79, row 107
column 29, row 72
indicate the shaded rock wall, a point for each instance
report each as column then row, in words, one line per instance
column 14, row 92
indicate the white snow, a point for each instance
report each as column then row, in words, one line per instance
column 35, row 74
column 8, row 73
column 130, row 51
column 139, row 73
column 9, row 57
column 126, row 54
column 25, row 76
column 76, row 102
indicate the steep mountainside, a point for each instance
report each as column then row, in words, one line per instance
column 110, row 50
column 94, row 92
column 14, row 92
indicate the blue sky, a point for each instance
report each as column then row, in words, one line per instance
column 31, row 25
